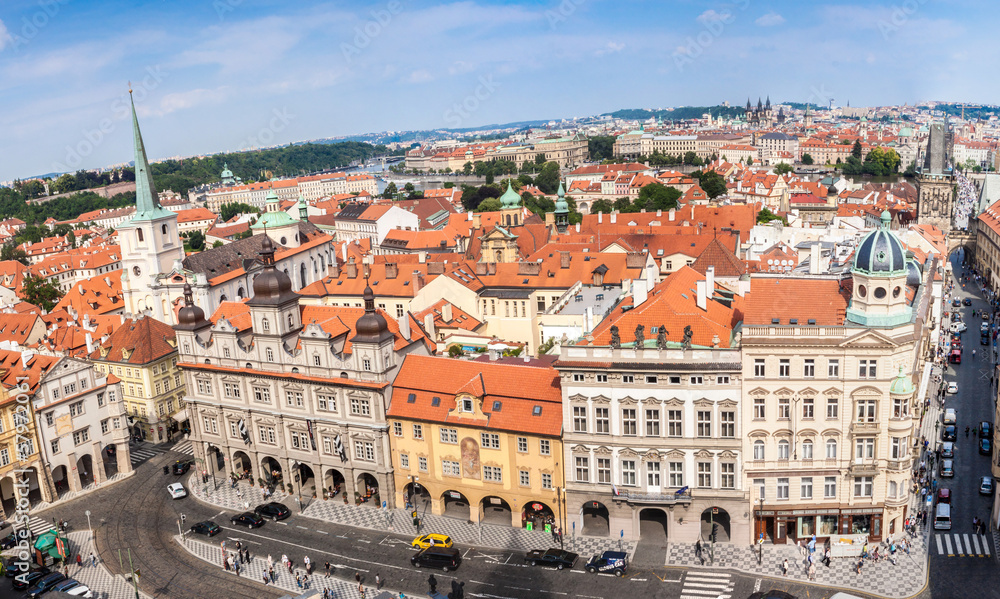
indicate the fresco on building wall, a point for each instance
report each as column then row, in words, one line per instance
column 470, row 458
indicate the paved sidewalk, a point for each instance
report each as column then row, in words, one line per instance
column 102, row 582
column 258, row 566
column 399, row 521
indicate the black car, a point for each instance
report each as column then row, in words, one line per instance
column 182, row 466
column 967, row 302
column 772, row 595
column 44, row 584
column 553, row 557
column 985, row 447
column 8, row 541
column 614, row 562
column 206, row 528
column 445, row 558
column 274, row 510
column 950, row 433
column 248, row 519
column 22, row 582
column 985, row 430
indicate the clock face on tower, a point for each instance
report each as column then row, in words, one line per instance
column 136, row 270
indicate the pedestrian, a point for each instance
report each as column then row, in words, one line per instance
column 697, row 549
column 328, row 569
column 270, row 572
column 826, row 557
column 298, row 580
column 93, row 560
column 236, row 568
column 289, row 566
column 784, row 568
column 431, row 581
column 305, row 581
column 307, row 563
column 79, row 562
column 802, row 548
column 812, row 571
column 266, row 579
column 378, row 582
column 357, row 578
column 225, row 563
column 857, row 568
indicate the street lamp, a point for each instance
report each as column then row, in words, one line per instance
column 413, row 490
column 298, row 479
column 760, row 538
column 89, row 526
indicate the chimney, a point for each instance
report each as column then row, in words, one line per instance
column 670, row 215
column 529, row 268
column 577, row 227
column 429, row 325
column 564, row 259
column 334, row 269
column 418, row 281
column 480, row 268
column 470, row 217
column 815, row 267
column 702, row 301
column 435, row 268
column 638, row 293
column 404, row 326
column 635, row 260
column 446, row 312
column 421, row 257
column 491, row 267
column 391, row 270
column 343, row 252
column 351, row 269
column 90, row 343
column 600, row 217
column 659, row 213
column 614, row 217
column 710, row 281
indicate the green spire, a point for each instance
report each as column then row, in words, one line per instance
column 510, row 199
column 147, row 204
column 562, row 206
column 886, row 218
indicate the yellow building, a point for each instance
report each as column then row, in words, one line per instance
column 20, row 461
column 142, row 352
column 478, row 440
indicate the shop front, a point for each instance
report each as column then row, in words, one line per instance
column 789, row 525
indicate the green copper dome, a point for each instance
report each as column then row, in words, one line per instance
column 562, row 206
column 510, row 199
column 901, row 385
column 880, row 252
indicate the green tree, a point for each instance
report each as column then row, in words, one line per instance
column 711, row 183
column 749, row 160
column 548, row 179
column 71, row 238
column 40, row 291
column 10, row 251
column 449, row 184
column 856, row 150
column 782, row 168
column 657, row 196
column 601, row 147
column 390, row 191
column 467, row 168
column 228, row 211
column 196, row 241
column 766, row 216
column 602, row 205
column 807, row 159
column 540, row 158
column 489, row 205
column 409, row 188
column 690, row 157
column 217, row 244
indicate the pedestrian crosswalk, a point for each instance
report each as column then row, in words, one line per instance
column 962, row 545
column 707, row 585
column 140, row 453
column 38, row 526
column 184, row 447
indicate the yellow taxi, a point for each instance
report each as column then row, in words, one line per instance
column 432, row 540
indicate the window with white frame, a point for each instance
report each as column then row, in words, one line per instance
column 628, row 422
column 676, row 474
column 604, row 471
column 807, row 449
column 806, row 488
column 579, row 419
column 628, row 378
column 808, row 408
column 705, row 475
column 758, row 368
column 831, row 449
column 422, row 463
column 833, row 369
column 54, row 445
column 364, row 451
column 262, row 394
column 652, row 474
column 231, row 390
column 544, row 447
column 704, row 423
column 582, row 469
column 524, row 478
column 81, row 436
column 210, row 425
column 761, row 487
column 404, row 461
column 628, row 473
column 728, row 470
column 781, row 489
column 602, row 421
column 866, row 369
column 269, row 353
column 675, row 423
column 267, row 434
column 490, row 440
column 866, row 410
column 360, row 407
column 652, row 423
column 451, row 468
column 294, row 398
column 758, row 408
column 784, row 368
column 863, row 486
column 832, row 408
column 449, row 435
column 326, row 403
column 546, row 480
column 809, row 368
column 418, row 431
column 864, row 449
column 758, row 450
column 727, row 425
column 784, row 408
column 602, row 378
column 492, row 474
column 397, row 429
column 522, row 445
column 783, row 449
column 204, row 387
column 829, row 487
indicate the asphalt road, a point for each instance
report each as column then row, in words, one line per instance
column 977, row 577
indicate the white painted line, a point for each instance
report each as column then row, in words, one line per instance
column 518, row 588
column 986, row 545
column 322, row 532
column 638, row 579
column 968, row 547
column 363, row 541
column 489, row 584
column 700, row 578
column 590, row 597
column 668, row 580
column 709, row 575
column 553, row 592
column 710, row 592
column 705, row 585
column 975, row 544
column 958, row 544
column 947, row 543
column 282, row 523
column 578, row 572
column 940, row 549
column 302, row 527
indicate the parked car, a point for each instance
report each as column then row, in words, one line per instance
column 445, row 558
column 959, row 327
column 432, row 540
column 950, row 433
column 44, row 584
column 984, row 327
column 986, row 485
column 950, row 416
column 248, row 519
column 956, row 303
column 176, row 491
column 947, row 468
column 967, row 302
column 944, row 495
column 985, row 430
column 22, row 582
column 552, row 557
column 273, row 510
column 985, row 447
column 948, row 449
column 65, row 585
column 206, row 528
column 984, row 338
column 80, row 590
column 615, row 562
column 8, row 541
column 182, row 466
column 952, row 388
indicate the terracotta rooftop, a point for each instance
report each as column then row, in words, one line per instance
column 137, row 341
column 802, row 298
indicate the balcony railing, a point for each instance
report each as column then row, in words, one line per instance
column 683, row 497
column 864, row 468
column 864, row 427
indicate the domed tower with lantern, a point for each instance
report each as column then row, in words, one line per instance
column 879, row 280
column 274, row 307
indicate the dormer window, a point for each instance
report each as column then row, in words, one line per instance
column 467, row 405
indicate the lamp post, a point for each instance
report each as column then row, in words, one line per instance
column 413, row 490
column 298, row 483
column 88, row 524
column 212, row 466
column 760, row 539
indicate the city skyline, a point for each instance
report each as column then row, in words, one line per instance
column 233, row 74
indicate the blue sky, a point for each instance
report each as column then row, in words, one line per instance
column 221, row 75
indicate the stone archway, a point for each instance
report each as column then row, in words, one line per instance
column 416, row 495
column 653, row 525
column 85, row 470
column 109, row 455
column 60, row 479
column 8, row 496
column 456, row 505
column 715, row 519
column 306, row 480
column 367, row 492
column 271, row 470
column 333, row 482
column 495, row 510
column 596, row 519
column 241, row 463
column 538, row 515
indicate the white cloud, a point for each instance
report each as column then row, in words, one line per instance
column 770, row 20
column 610, row 48
column 459, row 67
column 419, row 76
column 711, row 15
column 188, row 99
column 5, row 37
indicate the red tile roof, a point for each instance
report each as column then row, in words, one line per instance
column 490, row 382
column 144, row 339
column 804, row 298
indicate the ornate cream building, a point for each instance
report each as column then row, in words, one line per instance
column 829, row 401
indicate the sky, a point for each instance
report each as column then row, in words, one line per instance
column 223, row 75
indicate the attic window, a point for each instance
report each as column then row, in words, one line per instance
column 524, row 282
column 775, row 321
column 412, row 397
column 436, row 401
column 654, row 329
column 600, row 296
column 812, row 321
column 793, row 321
column 497, row 405
column 405, row 283
column 536, row 411
column 467, row 405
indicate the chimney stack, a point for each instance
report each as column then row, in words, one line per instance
column 334, row 269
column 702, row 299
column 351, row 269
column 671, row 215
column 429, row 325
column 710, row 281
column 422, row 256
column 564, row 259
column 391, row 270
column 404, row 326
column 614, row 217
column 638, row 293
column 418, row 281
column 90, row 343
column 600, row 217
column 446, row 312
column 815, row 267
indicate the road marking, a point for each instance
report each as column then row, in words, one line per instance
column 947, row 543
column 975, row 543
column 968, row 547
column 958, row 544
column 553, row 592
column 302, row 527
column 282, row 523
column 756, row 586
column 590, row 597
column 938, row 539
column 489, row 584
column 986, row 546
column 322, row 532
column 518, row 588
column 638, row 579
column 704, row 585
column 363, row 541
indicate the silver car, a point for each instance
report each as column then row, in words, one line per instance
column 947, row 449
column 947, row 469
column 986, row 485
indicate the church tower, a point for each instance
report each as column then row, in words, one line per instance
column 562, row 210
column 150, row 243
column 936, row 181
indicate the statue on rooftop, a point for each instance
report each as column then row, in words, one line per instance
column 687, row 337
column 616, row 340
column 640, row 336
column 661, row 337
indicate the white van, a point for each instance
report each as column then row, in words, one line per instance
column 942, row 517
